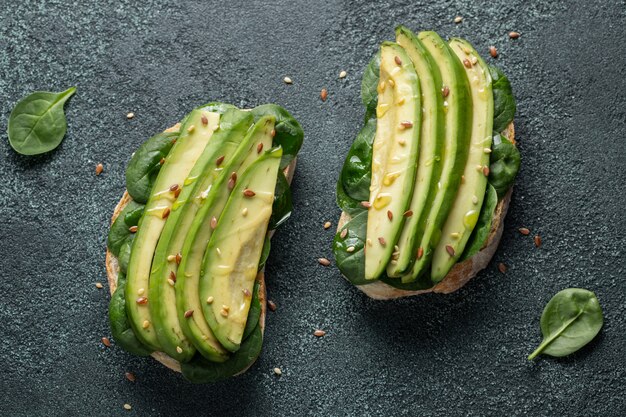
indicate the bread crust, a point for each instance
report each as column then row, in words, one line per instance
column 461, row 272
column 112, row 267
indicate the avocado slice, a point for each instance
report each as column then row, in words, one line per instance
column 162, row 295
column 469, row 199
column 430, row 152
column 232, row 257
column 457, row 112
column 195, row 327
column 194, row 136
column 394, row 155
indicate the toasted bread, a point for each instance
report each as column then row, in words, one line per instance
column 462, row 272
column 113, row 269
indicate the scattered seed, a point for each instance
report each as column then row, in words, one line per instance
column 487, row 150
column 366, row 204
column 204, row 120
column 502, row 267
column 343, row 233
column 130, row 115
column 209, row 300
column 219, row 251
column 127, row 407
column 224, row 313
column 390, row 215
column 445, row 91
column 382, row 241
column 343, row 74
column 191, row 128
column 219, row 160
column 244, row 211
column 232, row 181
column 162, row 161
column 420, row 253
column 513, row 35
column 493, row 52
column 171, row 258
column 248, row 193
column 99, row 285
column 173, row 276
column 474, row 60
column 130, row 376
column 401, row 101
column 142, row 300
column 171, row 282
column 391, row 83
column 408, row 213
column 398, row 60
column 278, row 372
column 259, row 147
column 271, row 305
column 486, row 171
column 188, row 313
column 450, row 250
column 474, row 199
column 273, row 133
column 525, row 231
column 406, row 124
column 179, row 258
column 350, row 249
column 145, row 324
column 324, row 94
column 458, row 19
column 323, row 261
column 319, row 333
column 455, row 235
column 99, row 169
column 467, row 63
column 166, row 213
column 174, row 187
column 140, row 291
column 288, row 80
column 538, row 241
column 402, row 142
column 179, row 349
column 369, row 242
column 106, row 342
column 327, row 225
column 213, row 222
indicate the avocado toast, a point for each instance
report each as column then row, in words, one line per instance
column 436, row 233
column 190, row 237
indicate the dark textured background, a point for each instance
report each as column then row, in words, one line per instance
column 461, row 354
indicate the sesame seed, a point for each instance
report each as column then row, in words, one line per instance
column 397, row 60
column 278, row 372
column 487, row 150
column 324, row 94
column 288, row 80
column 130, row 115
column 474, row 199
column 343, row 233
column 343, row 74
column 327, row 225
column 244, row 211
column 145, row 324
column 538, row 241
column 171, row 282
column 493, row 51
column 450, row 250
column 319, row 333
column 455, row 235
column 369, row 242
column 219, row 160
column 420, row 253
column 502, row 267
column 130, row 376
column 323, row 261
column 127, row 407
column 209, row 300
column 106, row 342
column 140, row 291
column 99, row 169
column 219, row 251
column 204, row 120
column 191, row 128
column 474, row 60
column 458, row 19
column 525, row 231
column 224, row 313
column 99, row 285
column 391, row 83
column 271, row 305
column 514, row 35
column 350, row 249
column 248, row 193
column 179, row 349
column 188, row 313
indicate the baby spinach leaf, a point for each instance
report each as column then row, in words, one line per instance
column 124, row 254
column 145, row 165
column 289, row 133
column 369, row 85
column 119, row 229
column 121, row 330
column 356, row 174
column 570, row 320
column 352, row 264
column 347, row 203
column 480, row 233
column 423, row 282
column 254, row 314
column 37, row 124
column 504, row 163
column 503, row 101
column 283, row 205
column 202, row 371
column 265, row 252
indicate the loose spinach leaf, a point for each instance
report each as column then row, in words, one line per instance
column 503, row 101
column 479, row 235
column 254, row 314
column 145, row 165
column 570, row 320
column 369, row 85
column 202, row 371
column 289, row 133
column 121, row 330
column 352, row 264
column 37, row 124
column 119, row 229
column 356, row 174
column 504, row 163
column 283, row 205
column 265, row 252
column 124, row 254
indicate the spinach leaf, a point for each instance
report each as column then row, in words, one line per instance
column 289, row 133
column 124, row 254
column 503, row 101
column 423, row 282
column 369, row 85
column 145, row 165
column 504, row 164
column 201, row 371
column 37, row 124
column 479, row 235
column 356, row 174
column 265, row 252
column 217, row 107
column 347, row 203
column 254, row 314
column 283, row 205
column 121, row 330
column 119, row 229
column 352, row 264
column 571, row 319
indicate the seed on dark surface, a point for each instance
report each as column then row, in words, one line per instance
column 99, row 285
column 398, row 60
column 142, row 300
column 502, row 267
column 366, row 204
column 327, row 225
column 99, row 169
column 166, row 213
column 106, row 342
column 127, row 407
column 445, row 91
column 174, row 187
column 343, row 74
column 323, row 261
column 188, row 313
column 382, row 241
column 259, row 147
column 513, row 35
column 271, row 305
column 248, row 193
column 133, row 229
column 288, row 80
column 420, row 253
column 130, row 115
column 524, row 231
column 219, row 160
column 408, row 213
column 130, row 376
column 450, row 250
column 204, row 120
column 343, row 233
column 319, row 333
column 324, row 94
column 493, row 52
column 538, row 241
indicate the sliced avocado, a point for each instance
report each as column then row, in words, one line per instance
column 457, row 112
column 194, row 136
column 232, row 257
column 469, row 198
column 430, row 152
column 394, row 156
column 196, row 327
column 162, row 295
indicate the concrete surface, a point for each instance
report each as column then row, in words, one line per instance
column 457, row 355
